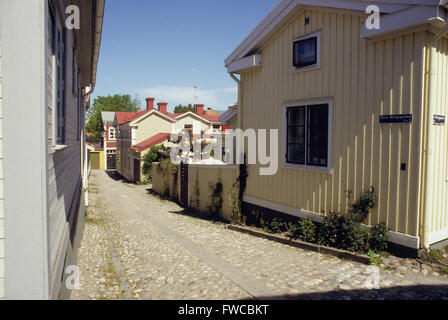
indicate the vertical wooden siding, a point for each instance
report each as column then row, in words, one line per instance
column 64, row 166
column 365, row 79
column 440, row 165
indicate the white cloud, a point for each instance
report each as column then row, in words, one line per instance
column 230, row 90
column 184, row 95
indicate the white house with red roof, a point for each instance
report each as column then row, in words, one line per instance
column 137, row 132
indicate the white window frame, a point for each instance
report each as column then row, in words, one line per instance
column 301, row 103
column 114, row 132
column 318, row 52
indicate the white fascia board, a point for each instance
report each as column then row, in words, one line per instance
column 194, row 115
column 285, row 9
column 245, row 64
column 136, row 121
column 401, row 20
column 268, row 23
column 385, row 6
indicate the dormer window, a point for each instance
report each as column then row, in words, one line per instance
column 306, row 53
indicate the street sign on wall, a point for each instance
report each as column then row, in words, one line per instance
column 439, row 120
column 396, row 118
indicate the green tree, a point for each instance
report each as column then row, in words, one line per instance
column 181, row 109
column 118, row 102
column 153, row 155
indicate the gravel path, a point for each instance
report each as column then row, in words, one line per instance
column 136, row 246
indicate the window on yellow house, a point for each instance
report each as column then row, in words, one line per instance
column 308, row 135
column 306, row 52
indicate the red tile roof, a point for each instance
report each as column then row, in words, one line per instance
column 211, row 118
column 153, row 141
column 123, row 117
column 137, row 115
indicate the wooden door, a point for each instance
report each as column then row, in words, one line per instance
column 137, row 170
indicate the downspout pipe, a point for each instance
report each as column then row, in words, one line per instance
column 240, row 113
column 430, row 136
column 85, row 176
column 238, row 81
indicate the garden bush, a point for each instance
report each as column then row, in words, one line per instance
column 343, row 231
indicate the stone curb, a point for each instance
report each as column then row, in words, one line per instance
column 342, row 254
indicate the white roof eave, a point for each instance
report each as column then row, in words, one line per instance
column 281, row 14
column 411, row 17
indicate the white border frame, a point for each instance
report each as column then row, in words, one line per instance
column 316, row 66
column 310, row 102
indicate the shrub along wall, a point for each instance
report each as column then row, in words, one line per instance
column 166, row 180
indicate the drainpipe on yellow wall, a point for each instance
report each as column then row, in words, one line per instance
column 430, row 134
column 238, row 81
column 240, row 107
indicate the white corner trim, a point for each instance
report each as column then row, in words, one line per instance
column 395, row 237
column 438, row 236
column 245, row 64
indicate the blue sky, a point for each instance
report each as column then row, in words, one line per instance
column 161, row 49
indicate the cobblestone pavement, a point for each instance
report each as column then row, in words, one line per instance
column 136, row 246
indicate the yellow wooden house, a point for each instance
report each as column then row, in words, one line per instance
column 355, row 106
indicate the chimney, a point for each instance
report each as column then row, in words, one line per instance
column 199, row 109
column 163, row 106
column 149, row 103
column 138, row 110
